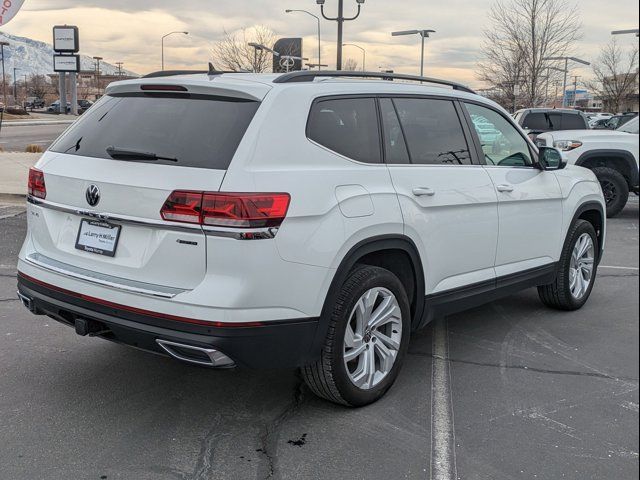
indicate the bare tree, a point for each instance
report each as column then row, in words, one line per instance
column 234, row 53
column 615, row 75
column 350, row 65
column 38, row 86
column 521, row 34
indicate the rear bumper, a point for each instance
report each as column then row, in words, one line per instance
column 276, row 344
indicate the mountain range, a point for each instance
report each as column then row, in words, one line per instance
column 33, row 57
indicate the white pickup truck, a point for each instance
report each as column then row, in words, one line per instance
column 611, row 155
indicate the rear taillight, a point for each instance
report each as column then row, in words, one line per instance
column 248, row 210
column 234, row 210
column 36, row 186
column 182, row 207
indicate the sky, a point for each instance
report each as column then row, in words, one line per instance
column 130, row 30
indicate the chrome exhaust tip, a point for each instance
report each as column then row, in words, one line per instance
column 208, row 357
column 26, row 301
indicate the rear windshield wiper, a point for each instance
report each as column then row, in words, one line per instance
column 118, row 153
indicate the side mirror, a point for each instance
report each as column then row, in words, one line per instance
column 550, row 159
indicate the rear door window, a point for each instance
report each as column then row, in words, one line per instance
column 200, row 132
column 433, row 131
column 348, row 126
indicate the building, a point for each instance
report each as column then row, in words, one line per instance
column 91, row 85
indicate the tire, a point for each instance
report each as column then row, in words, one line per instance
column 330, row 377
column 559, row 294
column 615, row 189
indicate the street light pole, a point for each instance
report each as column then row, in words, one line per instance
column 262, row 48
column 319, row 39
column 635, row 31
column 340, row 19
column 162, row 43
column 15, row 89
column 4, row 80
column 364, row 54
column 566, row 71
column 424, row 34
column 97, row 59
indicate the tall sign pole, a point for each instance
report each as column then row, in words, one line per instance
column 66, row 44
column 4, row 80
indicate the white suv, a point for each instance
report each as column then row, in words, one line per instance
column 309, row 220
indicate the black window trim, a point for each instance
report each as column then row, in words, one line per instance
column 533, row 150
column 382, row 133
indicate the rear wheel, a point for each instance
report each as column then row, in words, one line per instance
column 615, row 189
column 366, row 341
column 576, row 270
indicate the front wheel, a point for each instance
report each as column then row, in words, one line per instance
column 576, row 270
column 366, row 342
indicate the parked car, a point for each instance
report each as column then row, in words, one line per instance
column 614, row 122
column 595, row 117
column 611, row 155
column 83, row 106
column 34, row 102
column 55, row 107
column 535, row 121
column 287, row 222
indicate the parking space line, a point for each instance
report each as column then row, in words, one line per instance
column 443, row 447
column 619, row 268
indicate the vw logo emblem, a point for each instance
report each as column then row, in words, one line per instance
column 93, row 195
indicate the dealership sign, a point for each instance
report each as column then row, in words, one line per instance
column 66, row 39
column 8, row 10
column 66, row 63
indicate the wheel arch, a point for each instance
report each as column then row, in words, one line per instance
column 372, row 251
column 594, row 213
column 620, row 160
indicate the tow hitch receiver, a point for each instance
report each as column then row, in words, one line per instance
column 86, row 327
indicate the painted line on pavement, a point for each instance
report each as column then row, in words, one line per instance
column 619, row 268
column 443, row 445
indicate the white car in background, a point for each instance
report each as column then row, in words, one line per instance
column 593, row 118
column 611, row 154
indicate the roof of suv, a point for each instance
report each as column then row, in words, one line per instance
column 255, row 86
column 554, row 110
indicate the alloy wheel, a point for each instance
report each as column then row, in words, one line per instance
column 609, row 191
column 372, row 338
column 581, row 266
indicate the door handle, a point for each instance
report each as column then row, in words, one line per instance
column 424, row 192
column 505, row 188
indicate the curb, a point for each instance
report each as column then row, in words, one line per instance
column 12, row 196
column 36, row 123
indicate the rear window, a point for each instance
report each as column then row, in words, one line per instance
column 573, row 122
column 544, row 121
column 188, row 131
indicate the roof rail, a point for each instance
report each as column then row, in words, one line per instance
column 310, row 76
column 170, row 73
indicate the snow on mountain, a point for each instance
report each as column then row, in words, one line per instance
column 32, row 57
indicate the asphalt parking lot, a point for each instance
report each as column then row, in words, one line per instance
column 510, row 390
